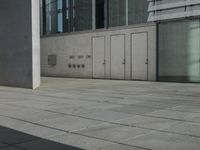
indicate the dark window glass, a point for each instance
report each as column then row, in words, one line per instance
column 51, row 16
column 117, row 12
column 67, row 15
column 137, row 11
column 100, row 14
column 76, row 15
column 60, row 16
column 82, row 15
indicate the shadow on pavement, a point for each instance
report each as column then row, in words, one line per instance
column 14, row 140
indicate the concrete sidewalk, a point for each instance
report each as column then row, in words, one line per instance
column 77, row 114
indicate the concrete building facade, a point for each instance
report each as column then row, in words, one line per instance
column 101, row 39
column 130, row 39
column 110, row 40
column 106, row 54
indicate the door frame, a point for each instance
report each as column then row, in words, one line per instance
column 110, row 47
column 131, row 50
column 92, row 38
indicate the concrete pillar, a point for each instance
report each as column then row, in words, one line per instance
column 19, row 43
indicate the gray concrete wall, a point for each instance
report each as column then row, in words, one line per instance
column 19, row 43
column 75, row 48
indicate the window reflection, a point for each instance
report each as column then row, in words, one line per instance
column 77, row 15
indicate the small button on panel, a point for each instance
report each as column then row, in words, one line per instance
column 78, row 61
column 82, row 66
column 69, row 66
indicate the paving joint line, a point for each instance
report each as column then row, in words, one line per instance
column 115, row 123
column 72, row 133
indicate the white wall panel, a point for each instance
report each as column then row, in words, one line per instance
column 69, row 47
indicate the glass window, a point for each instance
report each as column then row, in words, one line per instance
column 51, row 16
column 100, row 14
column 76, row 15
column 60, row 16
column 116, row 13
column 82, row 15
column 137, row 11
column 67, row 15
column 179, row 51
column 127, row 12
column 67, row 9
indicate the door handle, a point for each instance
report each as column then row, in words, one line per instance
column 104, row 62
column 124, row 62
column 147, row 61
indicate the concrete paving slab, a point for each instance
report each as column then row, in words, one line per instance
column 93, row 98
column 124, row 101
column 94, row 105
column 107, row 115
column 46, row 100
column 102, row 105
column 9, row 122
column 43, row 144
column 121, row 147
column 2, row 144
column 187, row 108
column 188, row 128
column 76, row 110
column 195, row 119
column 148, row 122
column 36, row 130
column 64, row 104
column 85, row 143
column 10, row 136
column 10, row 148
column 28, row 128
column 68, row 102
column 7, row 96
column 161, row 99
column 111, row 132
column 37, row 104
column 70, row 123
column 162, row 105
column 177, row 99
column 165, row 141
column 188, row 116
column 28, row 114
column 133, row 109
